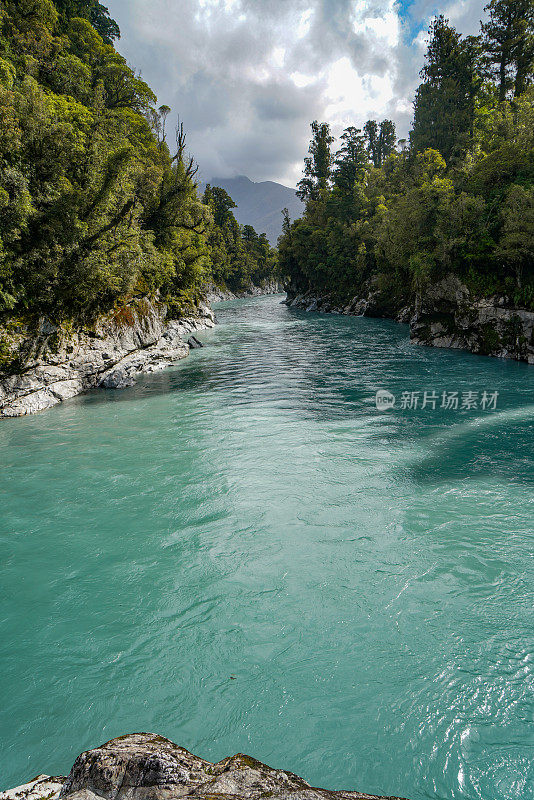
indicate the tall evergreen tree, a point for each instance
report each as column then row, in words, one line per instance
column 498, row 39
column 371, row 137
column 350, row 160
column 524, row 48
column 445, row 102
column 387, row 139
column 318, row 165
column 508, row 38
column 380, row 139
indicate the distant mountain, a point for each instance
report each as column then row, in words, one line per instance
column 260, row 204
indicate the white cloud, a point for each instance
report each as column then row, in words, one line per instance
column 465, row 15
column 352, row 98
column 248, row 76
column 304, row 23
column 301, row 80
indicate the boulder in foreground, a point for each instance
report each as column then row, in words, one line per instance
column 144, row 766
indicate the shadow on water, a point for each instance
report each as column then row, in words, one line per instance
column 328, row 368
column 499, row 446
column 250, row 512
column 295, row 362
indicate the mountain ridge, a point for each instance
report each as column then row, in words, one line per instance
column 260, row 203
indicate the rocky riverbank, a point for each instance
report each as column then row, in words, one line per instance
column 144, row 766
column 55, row 363
column 447, row 314
column 216, row 294
column 369, row 303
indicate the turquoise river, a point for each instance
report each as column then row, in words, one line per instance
column 243, row 554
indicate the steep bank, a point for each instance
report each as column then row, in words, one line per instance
column 446, row 314
column 145, row 766
column 370, row 302
column 54, row 363
column 216, row 294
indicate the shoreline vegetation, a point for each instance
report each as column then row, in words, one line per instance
column 99, row 209
column 438, row 229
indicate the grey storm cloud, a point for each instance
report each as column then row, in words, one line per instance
column 247, row 76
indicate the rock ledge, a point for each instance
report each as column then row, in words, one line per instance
column 56, row 365
column 144, row 766
column 446, row 314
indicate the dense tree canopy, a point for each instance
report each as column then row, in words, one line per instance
column 92, row 10
column 98, row 203
column 444, row 111
column 239, row 256
column 95, row 206
column 459, row 199
column 318, row 165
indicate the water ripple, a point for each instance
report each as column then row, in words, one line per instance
column 244, row 555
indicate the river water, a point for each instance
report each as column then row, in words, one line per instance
column 243, row 554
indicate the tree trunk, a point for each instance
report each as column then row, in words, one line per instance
column 502, row 78
column 520, row 78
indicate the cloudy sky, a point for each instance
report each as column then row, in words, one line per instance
column 248, row 76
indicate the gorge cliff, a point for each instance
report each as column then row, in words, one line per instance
column 445, row 314
column 46, row 363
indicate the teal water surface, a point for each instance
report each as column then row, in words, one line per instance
column 242, row 554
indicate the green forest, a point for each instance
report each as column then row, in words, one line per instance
column 98, row 201
column 456, row 197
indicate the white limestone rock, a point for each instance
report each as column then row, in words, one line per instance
column 57, row 365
